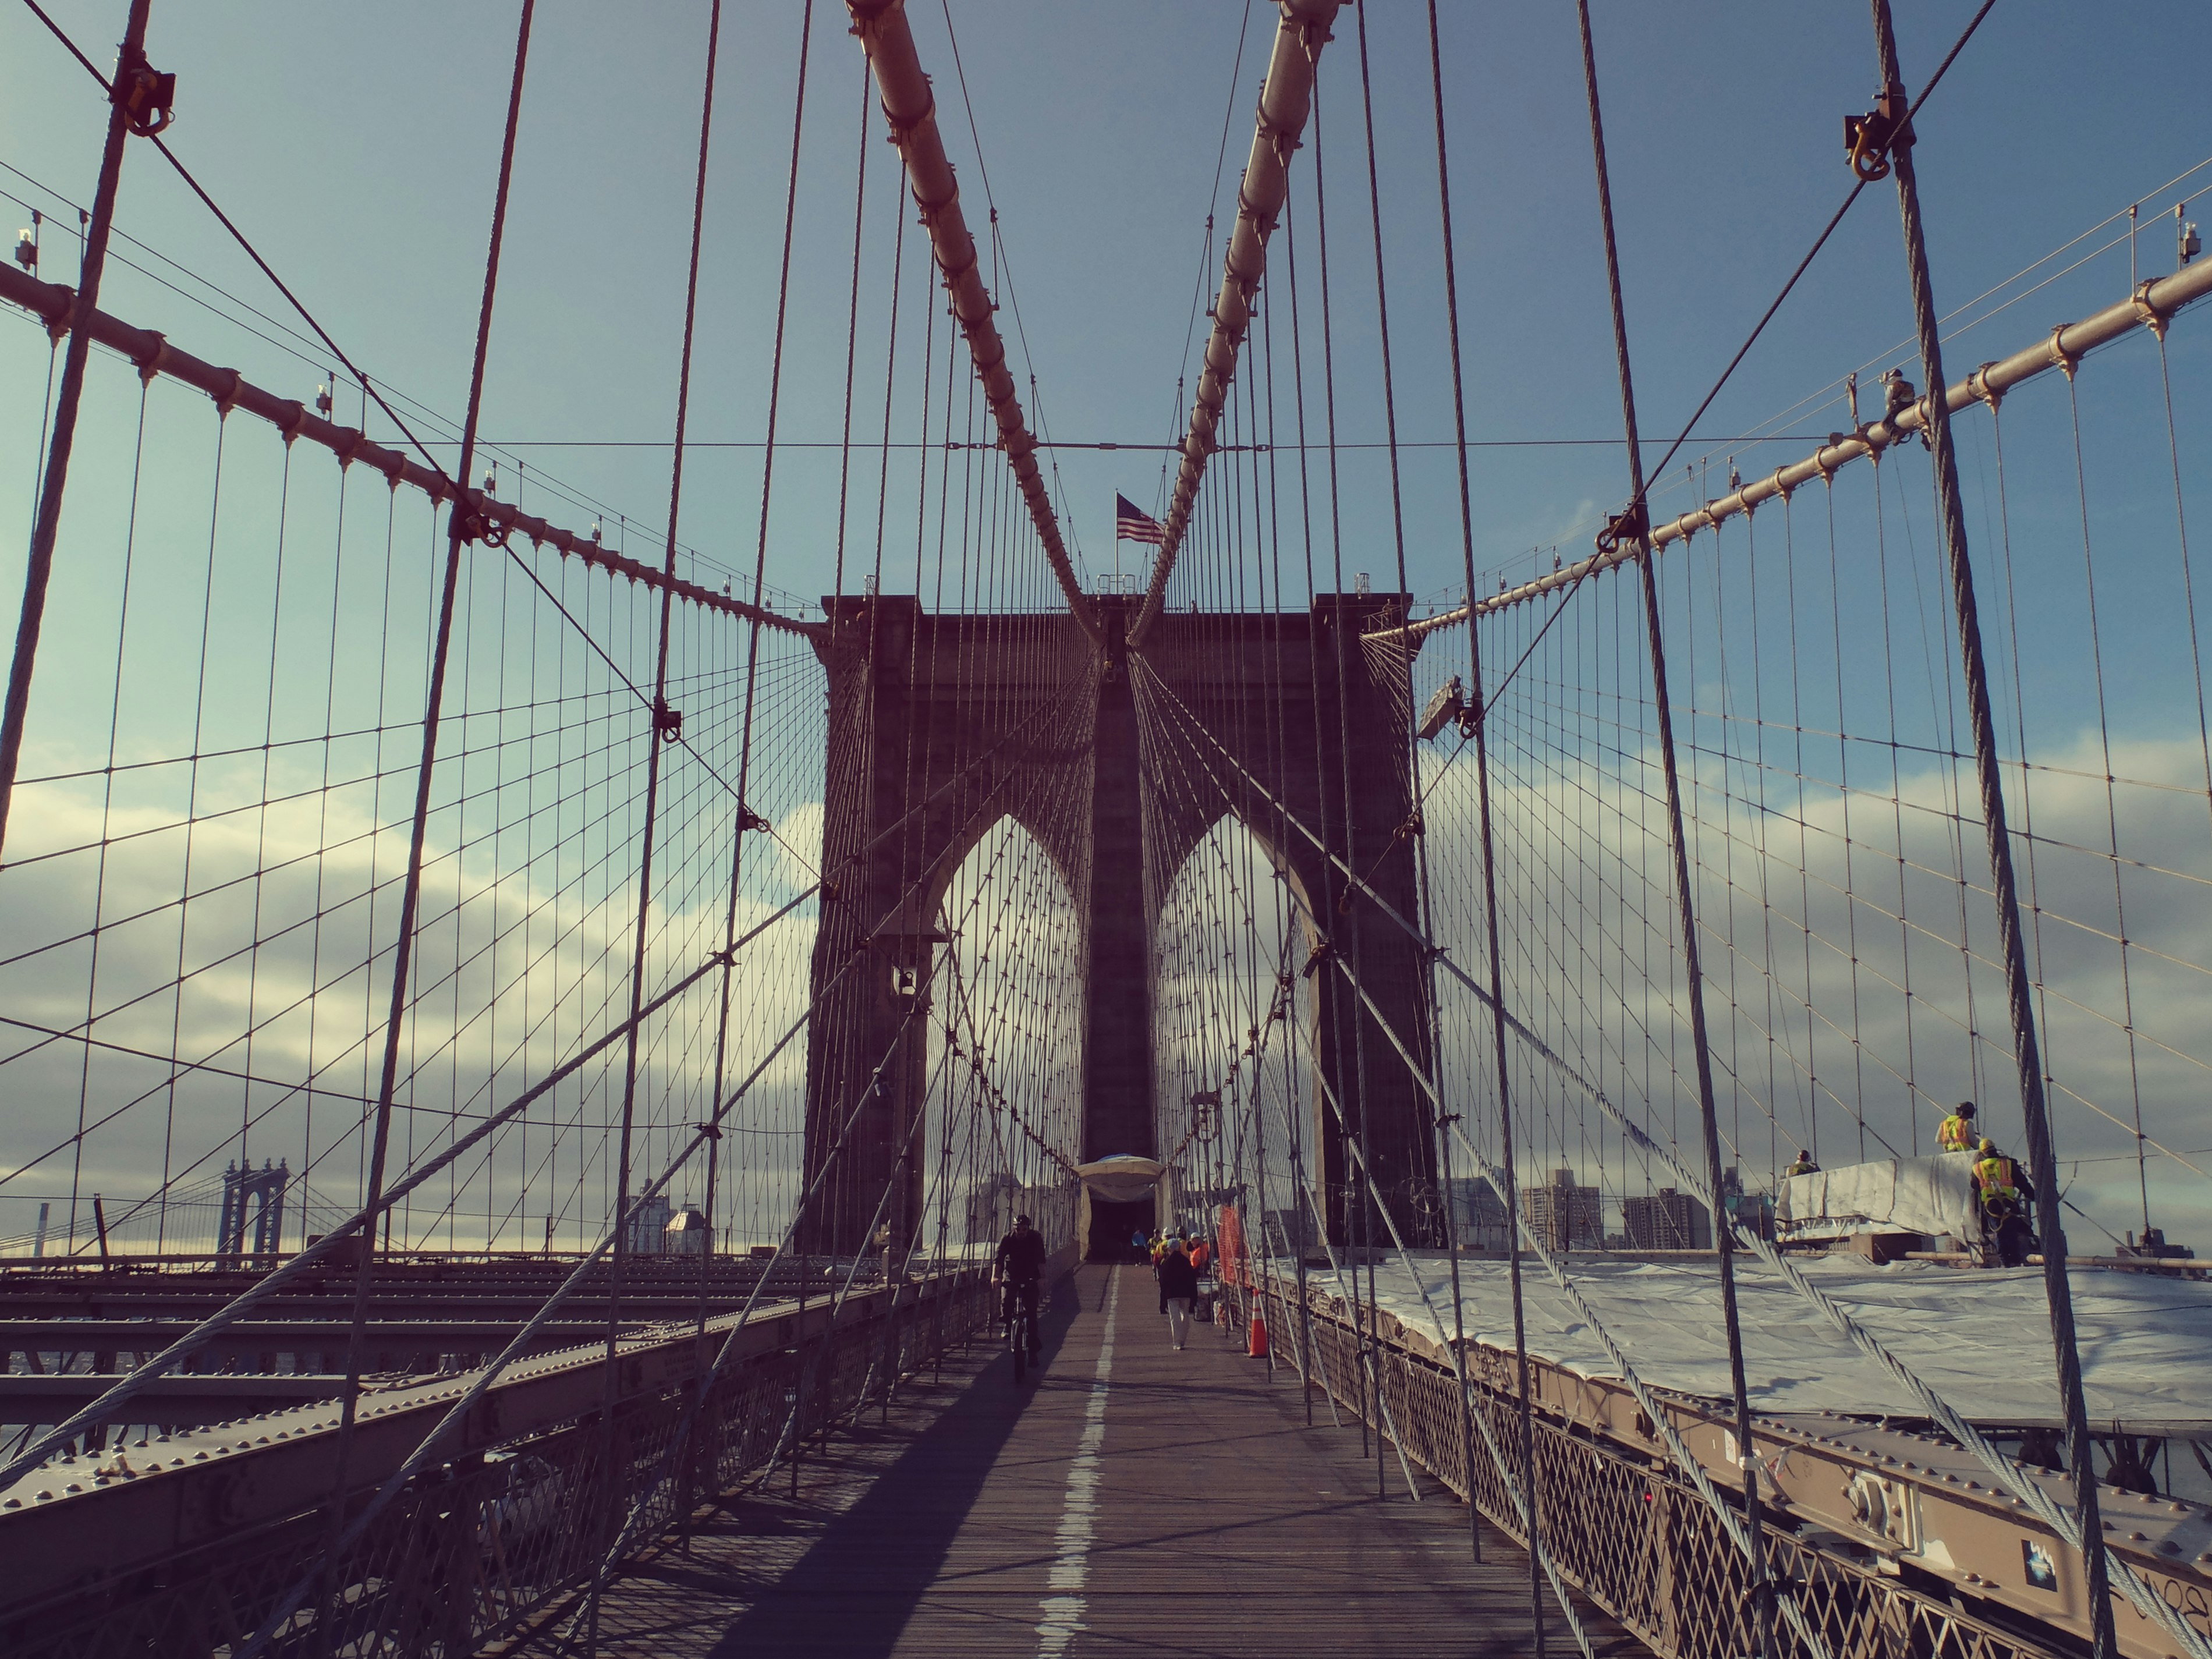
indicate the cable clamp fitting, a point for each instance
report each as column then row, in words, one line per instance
column 1978, row 383
column 749, row 819
column 667, row 721
column 1320, row 953
column 471, row 523
column 2148, row 314
column 147, row 97
column 2061, row 358
column 1626, row 530
column 151, row 363
column 1870, row 139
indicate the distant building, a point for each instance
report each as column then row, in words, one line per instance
column 1668, row 1220
column 990, row 1208
column 1479, row 1214
column 1752, row 1211
column 687, row 1234
column 2154, row 1244
column 1563, row 1215
column 648, row 1228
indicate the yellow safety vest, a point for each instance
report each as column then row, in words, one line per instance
column 1993, row 1175
column 1955, row 1134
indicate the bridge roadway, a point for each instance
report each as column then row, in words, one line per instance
column 1135, row 1499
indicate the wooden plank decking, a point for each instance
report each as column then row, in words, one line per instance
column 1207, row 1519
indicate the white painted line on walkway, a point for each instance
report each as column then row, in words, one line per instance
column 1064, row 1608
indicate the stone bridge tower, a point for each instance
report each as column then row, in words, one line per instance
column 940, row 726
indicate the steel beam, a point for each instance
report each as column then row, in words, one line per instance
column 2151, row 306
column 911, row 110
column 69, row 1524
column 1286, row 99
column 147, row 348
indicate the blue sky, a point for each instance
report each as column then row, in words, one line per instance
column 357, row 148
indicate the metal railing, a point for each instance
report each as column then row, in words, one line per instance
column 1626, row 1529
column 496, row 1538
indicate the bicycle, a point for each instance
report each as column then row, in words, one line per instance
column 1020, row 1317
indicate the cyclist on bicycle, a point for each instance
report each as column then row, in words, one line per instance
column 1018, row 1267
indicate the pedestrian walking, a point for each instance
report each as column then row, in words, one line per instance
column 1178, row 1292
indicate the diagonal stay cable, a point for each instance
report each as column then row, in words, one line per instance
column 2013, row 1478
column 239, row 236
column 129, row 1386
column 1630, row 514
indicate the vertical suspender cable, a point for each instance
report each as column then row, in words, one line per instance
column 662, row 719
column 462, row 526
column 1412, row 758
column 131, row 75
column 1352, row 1196
column 1724, row 1238
column 1479, row 711
column 1293, row 1134
column 1951, row 515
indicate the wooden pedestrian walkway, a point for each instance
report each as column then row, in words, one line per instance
column 1135, row 1499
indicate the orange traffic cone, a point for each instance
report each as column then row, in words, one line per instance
column 1257, row 1346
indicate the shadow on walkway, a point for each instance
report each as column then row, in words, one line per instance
column 855, row 1591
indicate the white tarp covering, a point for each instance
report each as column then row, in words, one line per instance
column 1981, row 1339
column 1120, row 1180
column 1930, row 1195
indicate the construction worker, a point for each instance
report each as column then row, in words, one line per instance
column 2000, row 1185
column 1959, row 1131
column 1804, row 1165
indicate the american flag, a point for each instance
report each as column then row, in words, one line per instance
column 1131, row 526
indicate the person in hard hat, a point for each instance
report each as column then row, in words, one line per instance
column 1804, row 1165
column 1959, row 1132
column 1200, row 1253
column 2000, row 1188
column 1178, row 1290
